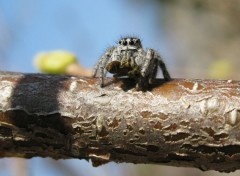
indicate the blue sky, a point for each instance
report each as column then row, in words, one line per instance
column 86, row 28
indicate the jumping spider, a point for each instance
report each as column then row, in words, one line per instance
column 130, row 59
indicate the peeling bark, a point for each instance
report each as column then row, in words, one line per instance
column 188, row 123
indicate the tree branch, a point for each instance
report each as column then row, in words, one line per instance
column 193, row 123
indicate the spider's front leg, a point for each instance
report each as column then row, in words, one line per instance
column 153, row 60
column 146, row 69
column 100, row 68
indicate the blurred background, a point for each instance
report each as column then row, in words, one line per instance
column 197, row 39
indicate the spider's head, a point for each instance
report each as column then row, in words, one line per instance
column 129, row 43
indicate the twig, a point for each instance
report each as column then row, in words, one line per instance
column 192, row 123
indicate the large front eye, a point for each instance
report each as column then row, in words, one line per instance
column 131, row 42
column 124, row 42
column 120, row 42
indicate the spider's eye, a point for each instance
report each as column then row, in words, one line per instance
column 137, row 41
column 124, row 42
column 120, row 42
column 131, row 42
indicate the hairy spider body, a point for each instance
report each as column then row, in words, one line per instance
column 130, row 59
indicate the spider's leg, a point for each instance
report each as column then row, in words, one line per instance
column 103, row 75
column 101, row 65
column 153, row 66
column 153, row 72
column 96, row 68
column 146, row 65
column 137, row 61
column 139, row 57
column 162, row 65
column 165, row 72
column 102, row 62
column 146, row 69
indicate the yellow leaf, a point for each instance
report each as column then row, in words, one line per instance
column 54, row 62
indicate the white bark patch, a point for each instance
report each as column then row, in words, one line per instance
column 233, row 116
column 73, row 86
column 209, row 106
column 81, row 80
column 195, row 87
column 7, row 90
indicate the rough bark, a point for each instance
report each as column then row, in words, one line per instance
column 190, row 123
